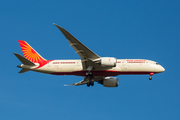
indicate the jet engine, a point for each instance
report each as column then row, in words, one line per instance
column 108, row 61
column 110, row 82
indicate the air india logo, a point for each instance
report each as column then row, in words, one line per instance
column 30, row 53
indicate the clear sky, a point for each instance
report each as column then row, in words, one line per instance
column 123, row 29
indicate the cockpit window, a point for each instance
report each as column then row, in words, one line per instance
column 157, row 63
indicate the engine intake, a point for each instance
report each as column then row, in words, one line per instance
column 108, row 61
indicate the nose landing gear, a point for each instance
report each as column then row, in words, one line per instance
column 150, row 77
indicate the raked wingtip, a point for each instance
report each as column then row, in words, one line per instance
column 66, row 85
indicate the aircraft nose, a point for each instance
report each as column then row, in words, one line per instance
column 162, row 69
column 159, row 68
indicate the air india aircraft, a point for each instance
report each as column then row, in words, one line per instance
column 91, row 66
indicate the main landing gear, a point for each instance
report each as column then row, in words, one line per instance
column 90, row 83
column 150, row 77
column 88, row 74
column 90, row 77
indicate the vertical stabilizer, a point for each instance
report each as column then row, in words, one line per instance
column 31, row 54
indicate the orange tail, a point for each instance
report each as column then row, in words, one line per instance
column 31, row 54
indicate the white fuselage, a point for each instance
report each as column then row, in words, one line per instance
column 123, row 67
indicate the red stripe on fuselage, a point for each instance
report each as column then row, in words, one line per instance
column 103, row 73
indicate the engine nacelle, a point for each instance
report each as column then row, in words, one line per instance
column 108, row 61
column 110, row 82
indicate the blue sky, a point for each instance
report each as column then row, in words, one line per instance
column 120, row 28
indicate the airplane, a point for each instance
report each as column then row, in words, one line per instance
column 91, row 66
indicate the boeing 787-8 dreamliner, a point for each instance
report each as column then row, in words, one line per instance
column 91, row 66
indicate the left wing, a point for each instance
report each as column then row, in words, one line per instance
column 86, row 80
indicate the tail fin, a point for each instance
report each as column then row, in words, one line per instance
column 31, row 54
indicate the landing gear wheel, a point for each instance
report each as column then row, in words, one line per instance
column 150, row 78
column 89, row 74
column 88, row 84
column 92, row 83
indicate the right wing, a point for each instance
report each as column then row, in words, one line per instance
column 90, row 60
column 85, row 54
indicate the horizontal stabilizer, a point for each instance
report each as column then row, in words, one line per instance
column 23, row 70
column 24, row 60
